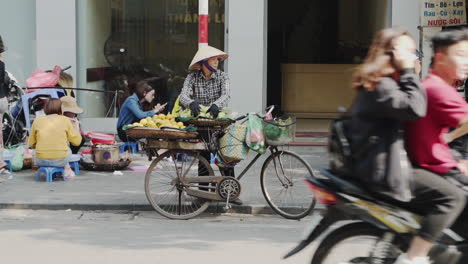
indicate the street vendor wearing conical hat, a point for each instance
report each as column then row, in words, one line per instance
column 206, row 84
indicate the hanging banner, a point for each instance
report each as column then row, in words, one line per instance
column 442, row 13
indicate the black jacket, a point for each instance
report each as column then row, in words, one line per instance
column 376, row 137
column 3, row 85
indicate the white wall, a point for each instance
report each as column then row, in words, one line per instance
column 95, row 17
column 406, row 13
column 17, row 28
column 56, row 34
column 247, row 44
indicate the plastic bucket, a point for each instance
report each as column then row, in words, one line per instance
column 106, row 154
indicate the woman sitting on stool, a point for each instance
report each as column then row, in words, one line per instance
column 50, row 135
column 132, row 108
column 71, row 110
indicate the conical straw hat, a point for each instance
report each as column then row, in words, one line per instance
column 206, row 52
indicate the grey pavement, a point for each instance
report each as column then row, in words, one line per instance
column 106, row 191
column 118, row 237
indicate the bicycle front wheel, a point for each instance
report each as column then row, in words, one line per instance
column 165, row 188
column 283, row 185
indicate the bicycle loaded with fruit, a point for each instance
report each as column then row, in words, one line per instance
column 202, row 134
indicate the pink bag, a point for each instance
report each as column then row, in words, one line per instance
column 40, row 78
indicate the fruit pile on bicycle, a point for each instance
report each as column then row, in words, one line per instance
column 224, row 113
column 159, row 121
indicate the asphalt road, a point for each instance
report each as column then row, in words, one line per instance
column 58, row 237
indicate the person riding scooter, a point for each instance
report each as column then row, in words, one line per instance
column 427, row 138
column 389, row 93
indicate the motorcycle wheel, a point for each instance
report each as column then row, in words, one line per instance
column 353, row 244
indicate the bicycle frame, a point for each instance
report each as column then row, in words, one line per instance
column 272, row 149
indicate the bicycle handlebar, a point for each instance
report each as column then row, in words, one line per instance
column 268, row 110
column 240, row 118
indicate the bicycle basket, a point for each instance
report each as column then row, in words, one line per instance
column 232, row 145
column 280, row 131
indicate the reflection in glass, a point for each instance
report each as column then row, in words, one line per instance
column 131, row 40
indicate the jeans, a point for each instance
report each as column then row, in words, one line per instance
column 54, row 163
column 438, row 200
column 458, row 178
column 51, row 163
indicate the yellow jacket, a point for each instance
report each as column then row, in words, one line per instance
column 50, row 136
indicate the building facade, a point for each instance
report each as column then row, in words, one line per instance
column 298, row 55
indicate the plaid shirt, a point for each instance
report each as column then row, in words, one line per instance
column 216, row 90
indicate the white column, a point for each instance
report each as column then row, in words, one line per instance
column 203, row 22
column 247, row 49
column 56, row 34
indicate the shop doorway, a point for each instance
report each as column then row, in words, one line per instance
column 313, row 47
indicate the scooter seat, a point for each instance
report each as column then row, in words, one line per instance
column 357, row 188
column 348, row 186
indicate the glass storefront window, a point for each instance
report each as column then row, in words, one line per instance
column 313, row 46
column 131, row 40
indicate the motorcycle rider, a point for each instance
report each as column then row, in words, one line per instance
column 389, row 93
column 426, row 138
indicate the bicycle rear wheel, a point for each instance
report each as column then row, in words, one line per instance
column 167, row 193
column 282, row 180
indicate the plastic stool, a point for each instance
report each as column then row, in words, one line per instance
column 8, row 163
column 7, row 158
column 180, row 155
column 132, row 145
column 50, row 173
column 75, row 163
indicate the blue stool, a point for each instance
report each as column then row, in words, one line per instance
column 50, row 173
column 180, row 155
column 7, row 158
column 75, row 163
column 133, row 146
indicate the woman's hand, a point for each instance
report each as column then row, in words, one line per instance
column 158, row 108
column 404, row 59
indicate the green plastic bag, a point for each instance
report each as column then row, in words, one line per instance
column 17, row 161
column 255, row 138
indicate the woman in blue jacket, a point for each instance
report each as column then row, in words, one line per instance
column 132, row 108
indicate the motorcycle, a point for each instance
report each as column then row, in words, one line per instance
column 14, row 130
column 368, row 228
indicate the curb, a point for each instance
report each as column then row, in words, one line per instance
column 216, row 208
